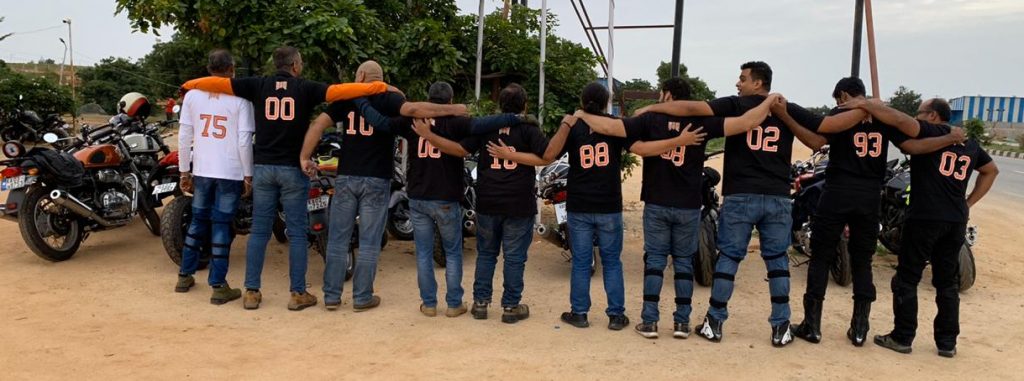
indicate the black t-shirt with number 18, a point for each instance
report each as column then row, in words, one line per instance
column 674, row 178
column 595, row 170
column 504, row 187
column 758, row 162
column 366, row 151
column 938, row 180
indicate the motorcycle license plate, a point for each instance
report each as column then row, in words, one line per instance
column 164, row 188
column 17, row 182
column 317, row 203
column 560, row 215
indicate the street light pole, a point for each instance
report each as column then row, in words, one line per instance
column 71, row 47
column 62, row 60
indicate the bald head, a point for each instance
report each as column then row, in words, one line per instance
column 369, row 71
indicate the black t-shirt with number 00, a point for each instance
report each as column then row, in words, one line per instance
column 366, row 151
column 283, row 105
column 595, row 168
column 504, row 187
column 758, row 162
column 857, row 157
column 433, row 175
column 938, row 180
column 674, row 178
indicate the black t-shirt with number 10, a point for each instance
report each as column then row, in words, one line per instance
column 366, row 151
column 938, row 180
column 674, row 178
column 595, row 170
column 758, row 162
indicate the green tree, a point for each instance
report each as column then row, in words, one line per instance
column 110, row 79
column 975, row 129
column 39, row 94
column 172, row 63
column 905, row 100
column 821, row 111
column 698, row 88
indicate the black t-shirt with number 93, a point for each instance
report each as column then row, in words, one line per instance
column 595, row 167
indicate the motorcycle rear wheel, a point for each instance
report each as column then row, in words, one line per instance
column 968, row 272
column 173, row 227
column 34, row 221
column 707, row 253
column 842, row 272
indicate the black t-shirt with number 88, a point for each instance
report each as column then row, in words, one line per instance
column 595, row 166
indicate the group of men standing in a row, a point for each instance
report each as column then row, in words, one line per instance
column 759, row 129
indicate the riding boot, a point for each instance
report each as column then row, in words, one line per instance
column 859, row 324
column 810, row 328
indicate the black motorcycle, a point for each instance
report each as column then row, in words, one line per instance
column 707, row 253
column 808, row 186
column 27, row 127
column 893, row 214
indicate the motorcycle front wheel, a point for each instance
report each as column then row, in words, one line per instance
column 51, row 231
column 968, row 272
column 173, row 227
column 707, row 253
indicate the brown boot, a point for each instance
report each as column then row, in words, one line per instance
column 301, row 300
column 456, row 311
column 185, row 282
column 224, row 293
column 374, row 302
column 252, row 299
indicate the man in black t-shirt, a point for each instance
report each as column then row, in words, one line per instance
column 934, row 229
column 852, row 192
column 282, row 104
column 363, row 185
column 436, row 185
column 506, row 204
column 755, row 187
column 672, row 193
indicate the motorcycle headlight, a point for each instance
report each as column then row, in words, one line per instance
column 13, row 149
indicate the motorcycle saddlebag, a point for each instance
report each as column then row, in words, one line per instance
column 60, row 167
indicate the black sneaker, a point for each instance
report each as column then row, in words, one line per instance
column 617, row 322
column 512, row 315
column 886, row 341
column 479, row 310
column 711, row 329
column 782, row 335
column 681, row 330
column 648, row 330
column 947, row 353
column 575, row 320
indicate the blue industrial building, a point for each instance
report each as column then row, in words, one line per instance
column 988, row 109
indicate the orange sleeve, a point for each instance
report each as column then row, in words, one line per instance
column 211, row 84
column 346, row 91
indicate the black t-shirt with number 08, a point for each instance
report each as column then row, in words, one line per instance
column 366, row 151
column 595, row 167
column 938, row 180
column 758, row 162
column 674, row 178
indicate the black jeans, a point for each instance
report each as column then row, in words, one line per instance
column 938, row 242
column 836, row 210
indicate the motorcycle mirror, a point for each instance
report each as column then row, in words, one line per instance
column 50, row 137
column 176, row 109
column 20, row 97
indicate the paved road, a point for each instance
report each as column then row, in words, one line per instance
column 1010, row 182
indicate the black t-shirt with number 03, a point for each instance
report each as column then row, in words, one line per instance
column 433, row 175
column 504, row 187
column 366, row 151
column 283, row 105
column 674, row 178
column 595, row 170
column 938, row 180
column 857, row 157
column 758, row 162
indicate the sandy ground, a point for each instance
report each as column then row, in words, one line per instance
column 110, row 313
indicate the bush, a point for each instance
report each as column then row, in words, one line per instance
column 975, row 129
column 1020, row 141
column 40, row 94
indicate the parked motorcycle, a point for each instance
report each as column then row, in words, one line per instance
column 707, row 252
column 552, row 188
column 26, row 126
column 896, row 200
column 61, row 197
column 808, row 186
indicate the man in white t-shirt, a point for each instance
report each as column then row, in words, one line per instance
column 215, row 146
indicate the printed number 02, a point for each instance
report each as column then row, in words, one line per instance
column 763, row 139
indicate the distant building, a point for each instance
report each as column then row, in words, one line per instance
column 1002, row 111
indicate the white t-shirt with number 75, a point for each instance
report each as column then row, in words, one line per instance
column 217, row 130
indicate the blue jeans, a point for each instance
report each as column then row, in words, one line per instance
column 669, row 231
column 512, row 236
column 214, row 202
column 367, row 198
column 289, row 187
column 604, row 229
column 448, row 217
column 772, row 216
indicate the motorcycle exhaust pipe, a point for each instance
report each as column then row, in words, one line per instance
column 469, row 213
column 541, row 230
column 468, row 225
column 68, row 201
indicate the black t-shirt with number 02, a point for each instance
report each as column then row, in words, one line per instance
column 674, row 178
column 758, row 162
column 595, row 170
column 857, row 157
column 283, row 105
column 366, row 151
column 434, row 175
column 938, row 180
column 504, row 187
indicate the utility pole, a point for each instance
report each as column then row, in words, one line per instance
column 858, row 22
column 479, row 48
column 611, row 54
column 677, row 37
column 62, row 60
column 74, row 99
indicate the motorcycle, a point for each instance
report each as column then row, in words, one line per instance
column 61, row 197
column 707, row 252
column 893, row 214
column 552, row 188
column 808, row 185
column 26, row 126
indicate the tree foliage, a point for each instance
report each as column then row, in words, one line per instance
column 699, row 89
column 821, row 111
column 905, row 100
column 975, row 129
column 107, row 81
column 172, row 63
column 39, row 94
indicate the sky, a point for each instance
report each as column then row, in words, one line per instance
column 945, row 48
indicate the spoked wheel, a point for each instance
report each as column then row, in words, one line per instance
column 51, row 231
column 707, row 253
column 399, row 224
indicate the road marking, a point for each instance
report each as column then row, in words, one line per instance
column 1020, row 172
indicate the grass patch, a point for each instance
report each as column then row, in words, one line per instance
column 1003, row 147
column 715, row 145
